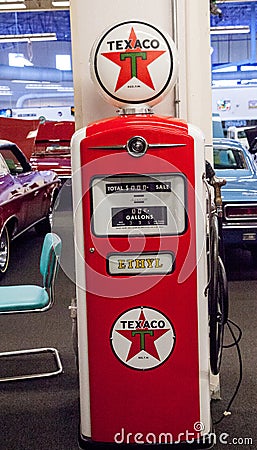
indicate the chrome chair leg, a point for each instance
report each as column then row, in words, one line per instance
column 53, row 351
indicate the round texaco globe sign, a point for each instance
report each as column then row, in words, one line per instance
column 142, row 338
column 134, row 63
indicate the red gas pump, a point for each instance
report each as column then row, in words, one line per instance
column 141, row 255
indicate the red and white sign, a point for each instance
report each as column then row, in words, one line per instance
column 134, row 63
column 142, row 338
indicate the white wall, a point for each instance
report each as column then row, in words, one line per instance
column 88, row 21
column 194, row 82
column 187, row 22
column 241, row 103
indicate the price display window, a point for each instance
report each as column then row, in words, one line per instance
column 139, row 204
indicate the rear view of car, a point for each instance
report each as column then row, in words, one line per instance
column 52, row 148
column 239, row 134
column 234, row 163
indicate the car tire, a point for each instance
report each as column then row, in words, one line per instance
column 254, row 256
column 45, row 225
column 4, row 251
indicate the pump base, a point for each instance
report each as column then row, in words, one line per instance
column 204, row 443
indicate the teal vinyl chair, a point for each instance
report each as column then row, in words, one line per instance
column 31, row 299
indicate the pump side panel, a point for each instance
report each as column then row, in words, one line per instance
column 166, row 397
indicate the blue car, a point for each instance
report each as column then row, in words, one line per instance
column 234, row 163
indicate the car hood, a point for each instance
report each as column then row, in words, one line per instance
column 238, row 188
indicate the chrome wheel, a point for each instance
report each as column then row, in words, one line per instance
column 4, row 250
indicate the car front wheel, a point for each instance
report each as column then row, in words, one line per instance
column 4, row 251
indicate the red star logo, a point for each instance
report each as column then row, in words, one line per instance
column 143, row 338
column 134, row 62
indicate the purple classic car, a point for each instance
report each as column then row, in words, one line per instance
column 26, row 198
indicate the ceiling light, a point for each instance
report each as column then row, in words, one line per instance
column 42, row 85
column 230, row 30
column 12, row 6
column 61, row 3
column 23, row 81
column 27, row 37
column 6, row 93
column 248, row 68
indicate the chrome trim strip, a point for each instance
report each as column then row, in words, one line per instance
column 23, row 230
column 123, row 147
column 28, row 228
column 245, row 226
column 166, row 145
column 108, row 147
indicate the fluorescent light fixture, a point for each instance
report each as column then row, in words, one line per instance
column 12, row 6
column 248, row 68
column 61, row 3
column 23, row 81
column 226, row 69
column 6, row 92
column 27, row 37
column 65, row 89
column 42, row 85
column 225, row 83
column 230, row 30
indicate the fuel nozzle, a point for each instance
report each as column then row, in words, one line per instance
column 217, row 184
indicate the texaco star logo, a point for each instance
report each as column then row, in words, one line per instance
column 142, row 338
column 133, row 62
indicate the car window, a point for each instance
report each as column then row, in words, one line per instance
column 229, row 158
column 3, row 167
column 241, row 134
column 11, row 161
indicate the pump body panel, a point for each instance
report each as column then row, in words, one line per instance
column 145, row 323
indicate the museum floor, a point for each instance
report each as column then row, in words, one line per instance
column 44, row 414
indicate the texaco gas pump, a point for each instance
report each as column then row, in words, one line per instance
column 141, row 254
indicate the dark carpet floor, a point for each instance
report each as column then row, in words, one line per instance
column 44, row 414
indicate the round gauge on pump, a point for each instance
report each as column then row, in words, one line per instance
column 134, row 63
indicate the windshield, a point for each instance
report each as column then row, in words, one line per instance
column 229, row 158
